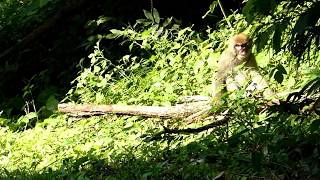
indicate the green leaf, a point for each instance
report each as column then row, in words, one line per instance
column 116, row 32
column 169, row 89
column 167, row 22
column 163, row 74
column 31, row 115
column 52, row 103
column 128, row 125
column 315, row 125
column 278, row 76
column 111, row 36
column 156, row 15
column 279, row 73
column 99, row 97
column 26, row 119
column 135, row 66
column 131, row 46
column 148, row 15
column 176, row 45
column 43, row 2
column 96, row 69
column 145, row 34
column 263, row 38
column 212, row 7
column 281, row 69
column 272, row 72
column 307, row 19
column 277, row 38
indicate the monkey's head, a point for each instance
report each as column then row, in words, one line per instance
column 241, row 46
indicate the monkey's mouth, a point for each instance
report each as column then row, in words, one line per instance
column 241, row 49
column 242, row 52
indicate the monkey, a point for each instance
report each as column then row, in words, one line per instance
column 237, row 54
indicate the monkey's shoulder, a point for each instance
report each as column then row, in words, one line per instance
column 227, row 53
column 226, row 58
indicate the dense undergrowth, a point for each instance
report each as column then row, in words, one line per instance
column 167, row 61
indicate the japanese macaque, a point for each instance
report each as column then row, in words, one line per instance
column 235, row 64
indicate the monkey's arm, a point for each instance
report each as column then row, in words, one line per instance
column 218, row 84
column 219, row 78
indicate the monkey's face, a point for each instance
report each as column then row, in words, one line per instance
column 240, row 45
column 241, row 49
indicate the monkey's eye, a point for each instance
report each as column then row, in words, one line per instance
column 238, row 46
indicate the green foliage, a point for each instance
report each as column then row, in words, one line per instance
column 166, row 62
column 288, row 24
column 286, row 30
column 254, row 8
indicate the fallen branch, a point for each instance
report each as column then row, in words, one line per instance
column 195, row 130
column 177, row 111
column 218, row 122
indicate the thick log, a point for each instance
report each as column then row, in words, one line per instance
column 178, row 111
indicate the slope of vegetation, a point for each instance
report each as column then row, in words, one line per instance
column 155, row 61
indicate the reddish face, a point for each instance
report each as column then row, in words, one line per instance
column 241, row 49
column 240, row 44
